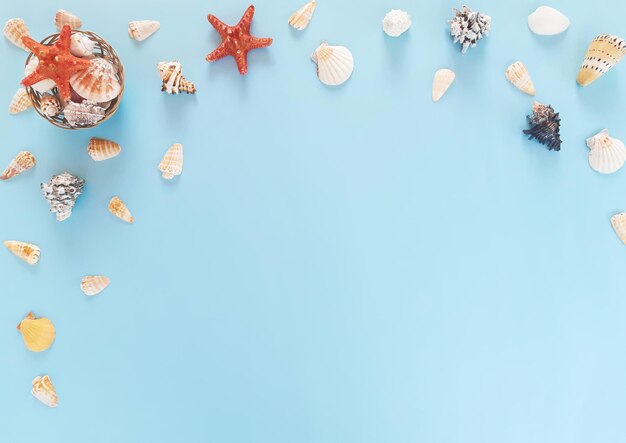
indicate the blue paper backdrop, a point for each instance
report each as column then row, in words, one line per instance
column 354, row 264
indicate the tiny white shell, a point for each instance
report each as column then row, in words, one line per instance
column 547, row 21
column 441, row 82
column 607, row 154
column 334, row 64
column 396, row 22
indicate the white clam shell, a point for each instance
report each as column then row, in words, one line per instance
column 42, row 86
column 607, row 154
column 334, row 64
column 547, row 21
column 441, row 82
column 396, row 22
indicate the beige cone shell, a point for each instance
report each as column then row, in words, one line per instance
column 119, row 209
column 100, row 149
column 142, row 29
column 441, row 82
column 28, row 252
column 37, row 333
column 22, row 162
column 14, row 30
column 172, row 163
column 94, row 284
column 618, row 221
column 302, row 17
column 62, row 18
column 518, row 75
column 20, row 102
column 43, row 390
column 603, row 53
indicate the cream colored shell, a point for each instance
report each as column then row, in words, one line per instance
column 94, row 284
column 334, row 64
column 43, row 390
column 100, row 149
column 519, row 77
column 604, row 52
column 28, row 252
column 37, row 333
column 14, row 30
column 119, row 209
column 172, row 162
column 302, row 17
column 22, row 162
column 20, row 102
column 62, row 18
column 618, row 221
column 547, row 21
column 98, row 83
column 442, row 80
column 607, row 154
column 142, row 29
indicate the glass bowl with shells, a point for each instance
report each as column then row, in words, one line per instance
column 95, row 92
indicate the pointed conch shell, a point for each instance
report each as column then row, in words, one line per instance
column 98, row 83
column 62, row 18
column 607, row 154
column 14, row 30
column 172, row 162
column 38, row 333
column 22, row 162
column 602, row 54
column 302, row 17
column 119, row 209
column 43, row 390
column 94, row 284
column 26, row 251
column 142, row 29
column 441, row 82
column 100, row 149
column 518, row 75
column 334, row 64
column 20, row 102
column 174, row 82
column 618, row 221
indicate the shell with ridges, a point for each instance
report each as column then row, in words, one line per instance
column 174, row 82
column 50, row 105
column 302, row 17
column 14, row 30
column 20, row 102
column 28, row 252
column 22, row 162
column 334, row 64
column 43, row 390
column 81, row 45
column 142, row 29
column 62, row 18
column 98, row 83
column 607, row 154
column 119, row 209
column 602, row 54
column 441, row 82
column 85, row 114
column 172, row 163
column 618, row 221
column 100, row 149
column 519, row 76
column 37, row 333
column 94, row 284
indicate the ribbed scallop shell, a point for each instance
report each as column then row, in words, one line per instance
column 334, row 64
column 607, row 154
column 119, row 209
column 22, row 162
column 142, row 29
column 441, row 82
column 20, row 102
column 28, row 252
column 603, row 53
column 43, row 390
column 618, row 221
column 172, row 162
column 49, row 105
column 62, row 18
column 100, row 149
column 37, row 333
column 14, row 30
column 94, row 284
column 518, row 75
column 98, row 83
column 302, row 17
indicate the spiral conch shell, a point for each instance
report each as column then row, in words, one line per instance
column 43, row 390
column 607, row 154
column 602, row 54
column 94, row 284
column 173, row 80
column 172, row 163
column 334, row 64
column 14, row 30
column 50, row 105
column 518, row 75
column 37, row 333
column 302, row 17
column 98, row 83
column 142, row 29
column 22, row 162
column 20, row 102
column 100, row 149
column 62, row 18
column 119, row 209
column 81, row 45
column 28, row 252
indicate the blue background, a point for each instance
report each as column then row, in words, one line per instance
column 351, row 264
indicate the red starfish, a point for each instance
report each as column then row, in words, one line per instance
column 55, row 62
column 236, row 40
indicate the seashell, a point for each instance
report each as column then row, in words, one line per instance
column 43, row 390
column 396, row 22
column 467, row 27
column 173, row 80
column 97, row 83
column 20, row 102
column 518, row 75
column 84, row 114
column 618, row 221
column 50, row 105
column 22, row 162
column 119, row 209
column 441, row 82
column 94, row 284
column 62, row 18
column 334, row 64
column 37, row 333
column 607, row 154
column 172, row 163
column 547, row 21
column 302, row 17
column 42, row 86
column 26, row 251
column 142, row 29
column 100, row 149
column 602, row 54
column 81, row 45
column 544, row 126
column 14, row 30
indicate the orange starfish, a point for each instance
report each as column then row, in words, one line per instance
column 236, row 40
column 55, row 62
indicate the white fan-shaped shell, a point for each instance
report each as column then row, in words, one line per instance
column 42, row 86
column 547, row 21
column 334, row 64
column 607, row 154
column 441, row 82
column 98, row 83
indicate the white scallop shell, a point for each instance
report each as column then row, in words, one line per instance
column 607, row 154
column 42, row 86
column 81, row 45
column 396, row 22
column 334, row 64
column 441, row 82
column 98, row 83
column 547, row 21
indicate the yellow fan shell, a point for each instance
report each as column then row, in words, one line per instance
column 28, row 252
column 43, row 390
column 172, row 163
column 119, row 209
column 38, row 333
column 94, row 284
